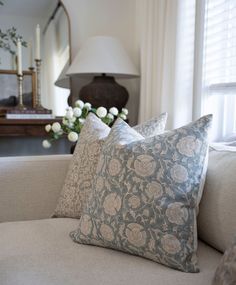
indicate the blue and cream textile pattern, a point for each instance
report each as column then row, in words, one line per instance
column 152, row 127
column 77, row 185
column 78, row 182
column 226, row 271
column 145, row 194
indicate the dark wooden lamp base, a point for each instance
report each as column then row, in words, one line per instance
column 106, row 92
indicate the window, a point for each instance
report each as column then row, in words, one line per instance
column 219, row 67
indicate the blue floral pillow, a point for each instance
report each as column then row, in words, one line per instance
column 145, row 194
column 77, row 185
column 152, row 127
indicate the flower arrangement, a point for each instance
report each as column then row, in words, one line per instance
column 74, row 119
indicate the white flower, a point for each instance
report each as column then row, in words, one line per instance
column 77, row 112
column 81, row 120
column 73, row 119
column 64, row 121
column 125, row 111
column 114, row 111
column 46, row 144
column 48, row 128
column 101, row 112
column 123, row 116
column 56, row 127
column 110, row 116
column 88, row 106
column 69, row 114
column 73, row 136
column 70, row 124
column 80, row 104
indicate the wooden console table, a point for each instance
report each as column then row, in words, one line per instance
column 32, row 128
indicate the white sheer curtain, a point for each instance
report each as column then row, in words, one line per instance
column 49, row 67
column 166, row 29
column 54, row 60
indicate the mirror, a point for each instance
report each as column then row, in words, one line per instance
column 19, row 19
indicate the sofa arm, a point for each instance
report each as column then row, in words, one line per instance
column 30, row 186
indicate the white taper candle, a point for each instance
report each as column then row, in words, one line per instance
column 37, row 51
column 19, row 57
column 30, row 54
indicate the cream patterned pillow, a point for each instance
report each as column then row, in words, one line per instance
column 226, row 271
column 77, row 186
column 145, row 194
column 79, row 176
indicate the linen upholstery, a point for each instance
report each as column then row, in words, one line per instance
column 77, row 186
column 41, row 252
column 226, row 270
column 145, row 194
column 217, row 213
column 30, row 186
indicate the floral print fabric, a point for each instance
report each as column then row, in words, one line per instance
column 153, row 126
column 145, row 194
column 226, row 271
column 77, row 186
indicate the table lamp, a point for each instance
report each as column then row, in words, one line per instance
column 63, row 81
column 104, row 58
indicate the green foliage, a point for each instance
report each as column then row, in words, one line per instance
column 73, row 122
column 8, row 39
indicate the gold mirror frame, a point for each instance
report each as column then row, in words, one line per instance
column 70, row 99
column 69, row 28
column 11, row 76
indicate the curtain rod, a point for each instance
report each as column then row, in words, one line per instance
column 52, row 16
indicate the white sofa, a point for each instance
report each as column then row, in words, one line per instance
column 35, row 249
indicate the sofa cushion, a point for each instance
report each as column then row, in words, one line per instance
column 82, row 168
column 30, row 186
column 145, row 194
column 41, row 252
column 217, row 210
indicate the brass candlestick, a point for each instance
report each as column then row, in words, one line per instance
column 38, row 105
column 20, row 105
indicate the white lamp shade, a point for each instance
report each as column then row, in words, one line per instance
column 63, row 81
column 103, row 55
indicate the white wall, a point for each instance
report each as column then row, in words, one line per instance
column 26, row 28
column 111, row 18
